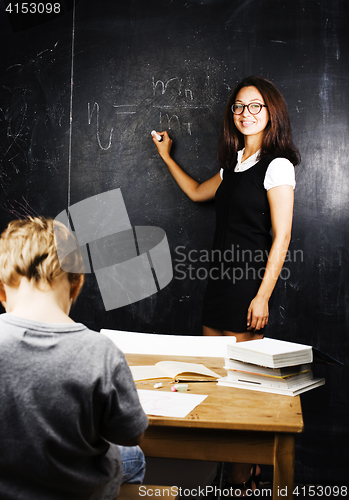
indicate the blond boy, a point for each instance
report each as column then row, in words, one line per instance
column 67, row 395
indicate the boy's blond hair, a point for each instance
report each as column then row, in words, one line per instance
column 28, row 248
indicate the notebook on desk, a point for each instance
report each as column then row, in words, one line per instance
column 174, row 370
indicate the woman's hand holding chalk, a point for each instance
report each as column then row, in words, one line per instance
column 156, row 135
column 163, row 143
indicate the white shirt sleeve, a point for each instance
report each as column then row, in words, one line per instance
column 279, row 173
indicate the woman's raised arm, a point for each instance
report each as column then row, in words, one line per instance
column 195, row 190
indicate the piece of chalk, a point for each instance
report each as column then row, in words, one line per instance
column 156, row 386
column 179, row 387
column 157, row 136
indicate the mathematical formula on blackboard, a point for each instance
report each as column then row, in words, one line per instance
column 171, row 115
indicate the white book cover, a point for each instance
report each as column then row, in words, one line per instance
column 267, row 381
column 242, row 366
column 294, row 391
column 272, row 353
column 172, row 345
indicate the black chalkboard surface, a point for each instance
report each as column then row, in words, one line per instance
column 80, row 94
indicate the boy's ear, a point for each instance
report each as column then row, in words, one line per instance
column 2, row 294
column 75, row 288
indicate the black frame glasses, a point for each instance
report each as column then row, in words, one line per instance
column 249, row 108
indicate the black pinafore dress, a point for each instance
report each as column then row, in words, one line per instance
column 240, row 249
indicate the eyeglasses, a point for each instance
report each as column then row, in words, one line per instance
column 254, row 108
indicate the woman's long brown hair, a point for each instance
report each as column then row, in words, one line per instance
column 277, row 139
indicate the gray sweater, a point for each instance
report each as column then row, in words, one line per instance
column 65, row 393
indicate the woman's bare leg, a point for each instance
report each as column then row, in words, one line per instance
column 240, row 337
column 243, row 337
column 211, row 332
column 240, row 473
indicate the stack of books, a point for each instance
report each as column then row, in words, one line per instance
column 270, row 365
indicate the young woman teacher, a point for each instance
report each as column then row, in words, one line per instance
column 254, row 196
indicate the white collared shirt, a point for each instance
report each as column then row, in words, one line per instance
column 279, row 172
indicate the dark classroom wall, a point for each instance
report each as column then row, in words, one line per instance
column 80, row 93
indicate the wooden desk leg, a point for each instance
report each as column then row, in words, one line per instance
column 283, row 466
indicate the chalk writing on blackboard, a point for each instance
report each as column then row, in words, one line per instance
column 170, row 122
column 89, row 114
column 125, row 109
column 169, row 118
column 179, row 84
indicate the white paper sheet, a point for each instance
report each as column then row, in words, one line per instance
column 169, row 404
column 173, row 345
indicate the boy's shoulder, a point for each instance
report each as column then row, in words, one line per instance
column 68, row 336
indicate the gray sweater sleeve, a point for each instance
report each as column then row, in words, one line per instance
column 123, row 417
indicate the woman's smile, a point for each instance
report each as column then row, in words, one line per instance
column 247, row 123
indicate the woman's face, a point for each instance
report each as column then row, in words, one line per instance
column 247, row 123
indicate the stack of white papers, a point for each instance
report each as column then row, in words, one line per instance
column 286, row 367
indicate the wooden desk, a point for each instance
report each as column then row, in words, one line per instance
column 231, row 425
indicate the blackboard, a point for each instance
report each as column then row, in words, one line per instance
column 79, row 96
